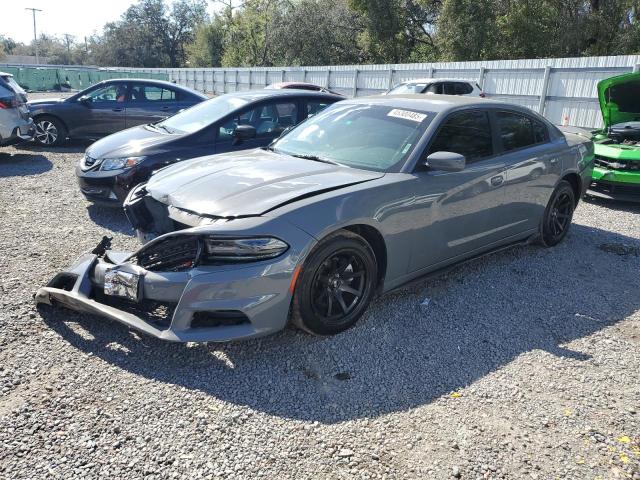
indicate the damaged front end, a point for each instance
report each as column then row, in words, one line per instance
column 179, row 287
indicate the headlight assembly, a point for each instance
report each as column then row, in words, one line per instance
column 243, row 249
column 120, row 163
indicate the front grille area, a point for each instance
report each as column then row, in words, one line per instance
column 610, row 163
column 172, row 254
column 616, row 189
column 219, row 318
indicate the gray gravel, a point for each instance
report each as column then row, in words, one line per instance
column 524, row 364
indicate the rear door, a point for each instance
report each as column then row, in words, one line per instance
column 269, row 119
column 149, row 103
column 459, row 212
column 532, row 166
column 104, row 111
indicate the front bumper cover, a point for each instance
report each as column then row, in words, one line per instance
column 615, row 185
column 244, row 301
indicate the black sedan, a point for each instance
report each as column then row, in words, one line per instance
column 236, row 121
column 108, row 107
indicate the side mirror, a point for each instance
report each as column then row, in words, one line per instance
column 446, row 161
column 243, row 132
column 85, row 100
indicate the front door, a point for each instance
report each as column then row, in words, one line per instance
column 103, row 112
column 458, row 213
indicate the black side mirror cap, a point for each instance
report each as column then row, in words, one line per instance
column 244, row 132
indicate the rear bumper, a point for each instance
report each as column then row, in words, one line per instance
column 207, row 304
column 20, row 134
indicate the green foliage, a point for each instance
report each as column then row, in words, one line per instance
column 159, row 33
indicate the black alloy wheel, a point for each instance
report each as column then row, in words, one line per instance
column 558, row 214
column 336, row 284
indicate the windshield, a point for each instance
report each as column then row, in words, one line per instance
column 371, row 137
column 202, row 114
column 407, row 88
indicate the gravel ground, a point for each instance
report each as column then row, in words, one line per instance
column 525, row 364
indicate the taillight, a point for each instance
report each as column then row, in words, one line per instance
column 9, row 102
column 482, row 94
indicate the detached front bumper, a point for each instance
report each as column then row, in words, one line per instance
column 611, row 184
column 203, row 304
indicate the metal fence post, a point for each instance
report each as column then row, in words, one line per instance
column 545, row 89
column 328, row 79
column 304, row 74
column 431, row 70
column 250, row 78
column 282, row 73
column 483, row 71
column 237, row 80
column 390, row 83
column 355, row 83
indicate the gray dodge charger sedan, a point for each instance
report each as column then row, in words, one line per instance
column 357, row 200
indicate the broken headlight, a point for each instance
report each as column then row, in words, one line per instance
column 243, row 249
column 120, row 163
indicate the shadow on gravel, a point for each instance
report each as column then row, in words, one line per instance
column 22, row 164
column 401, row 355
column 70, row 146
column 111, row 218
column 629, row 207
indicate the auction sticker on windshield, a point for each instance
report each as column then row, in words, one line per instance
column 407, row 115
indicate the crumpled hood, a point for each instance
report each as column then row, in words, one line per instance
column 619, row 99
column 249, row 182
column 133, row 141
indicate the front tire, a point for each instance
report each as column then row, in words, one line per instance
column 336, row 284
column 50, row 132
column 558, row 215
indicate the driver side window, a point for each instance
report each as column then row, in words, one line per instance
column 111, row 93
column 467, row 133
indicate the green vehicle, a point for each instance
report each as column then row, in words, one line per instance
column 616, row 173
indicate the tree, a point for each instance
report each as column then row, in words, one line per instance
column 207, row 47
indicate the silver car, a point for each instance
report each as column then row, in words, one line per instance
column 357, row 200
column 16, row 124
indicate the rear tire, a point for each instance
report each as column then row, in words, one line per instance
column 50, row 132
column 336, row 284
column 558, row 215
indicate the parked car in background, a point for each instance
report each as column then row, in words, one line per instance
column 108, row 107
column 365, row 196
column 235, row 121
column 15, row 123
column 438, row 86
column 300, row 86
column 616, row 174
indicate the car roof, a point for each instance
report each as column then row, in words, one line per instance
column 431, row 103
column 159, row 83
column 253, row 95
column 433, row 80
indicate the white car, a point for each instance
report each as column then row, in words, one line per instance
column 16, row 125
column 438, row 86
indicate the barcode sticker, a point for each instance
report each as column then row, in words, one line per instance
column 407, row 115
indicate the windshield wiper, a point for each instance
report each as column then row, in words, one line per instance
column 157, row 125
column 315, row 158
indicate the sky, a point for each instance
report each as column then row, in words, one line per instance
column 79, row 18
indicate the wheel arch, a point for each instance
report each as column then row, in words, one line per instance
column 375, row 239
column 576, row 184
column 38, row 116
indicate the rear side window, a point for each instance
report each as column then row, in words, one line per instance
column 467, row 133
column 457, row 88
column 519, row 131
column 151, row 93
column 435, row 88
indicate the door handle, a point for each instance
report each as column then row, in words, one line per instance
column 117, row 109
column 497, row 180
